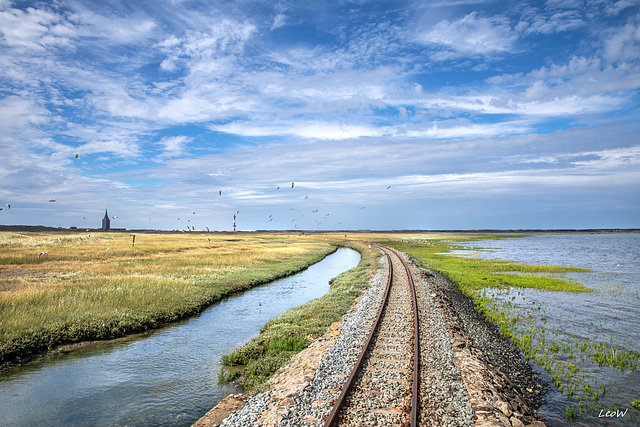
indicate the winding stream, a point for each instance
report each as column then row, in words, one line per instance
column 163, row 377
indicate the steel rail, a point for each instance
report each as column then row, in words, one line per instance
column 416, row 346
column 335, row 412
column 340, row 402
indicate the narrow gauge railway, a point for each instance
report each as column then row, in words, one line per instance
column 383, row 386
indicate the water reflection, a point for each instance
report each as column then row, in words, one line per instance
column 165, row 377
column 609, row 315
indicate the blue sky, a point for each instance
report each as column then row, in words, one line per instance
column 385, row 115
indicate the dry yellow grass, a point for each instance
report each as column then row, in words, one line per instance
column 99, row 285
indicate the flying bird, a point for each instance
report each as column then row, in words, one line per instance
column 76, row 156
column 1, row 209
column 363, row 207
column 41, row 253
column 292, row 184
column 52, row 200
column 194, row 213
column 84, row 217
column 315, row 210
column 220, row 192
column 8, row 206
column 388, row 187
column 277, row 188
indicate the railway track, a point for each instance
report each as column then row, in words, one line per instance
column 383, row 386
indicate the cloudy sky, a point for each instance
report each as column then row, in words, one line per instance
column 384, row 114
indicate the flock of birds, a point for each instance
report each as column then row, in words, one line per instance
column 316, row 218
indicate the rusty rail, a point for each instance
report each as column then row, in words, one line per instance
column 416, row 346
column 335, row 412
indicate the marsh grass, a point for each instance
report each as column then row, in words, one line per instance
column 561, row 359
column 81, row 291
column 473, row 274
column 294, row 330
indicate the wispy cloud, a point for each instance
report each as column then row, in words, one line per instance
column 470, row 35
column 34, row 29
column 174, row 146
column 622, row 44
column 169, row 105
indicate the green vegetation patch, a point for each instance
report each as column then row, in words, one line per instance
column 100, row 286
column 483, row 279
column 289, row 333
column 473, row 274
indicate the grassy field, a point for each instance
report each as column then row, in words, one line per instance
column 251, row 365
column 100, row 286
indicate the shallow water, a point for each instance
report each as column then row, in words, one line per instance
column 609, row 315
column 167, row 377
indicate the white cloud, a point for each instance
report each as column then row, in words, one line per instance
column 581, row 85
column 35, row 29
column 278, row 21
column 16, row 112
column 623, row 43
column 223, row 38
column 619, row 6
column 471, row 130
column 310, row 130
column 174, row 146
column 471, row 35
column 548, row 106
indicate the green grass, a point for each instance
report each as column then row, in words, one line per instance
column 294, row 330
column 480, row 279
column 81, row 291
column 473, row 274
column 570, row 413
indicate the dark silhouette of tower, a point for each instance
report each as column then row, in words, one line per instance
column 106, row 222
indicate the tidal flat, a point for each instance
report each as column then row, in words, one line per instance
column 575, row 323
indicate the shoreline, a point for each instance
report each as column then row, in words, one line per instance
column 501, row 387
column 28, row 354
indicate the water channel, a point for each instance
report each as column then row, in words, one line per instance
column 163, row 377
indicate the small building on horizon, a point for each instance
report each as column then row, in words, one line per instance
column 106, row 222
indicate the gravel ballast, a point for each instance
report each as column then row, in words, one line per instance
column 474, row 375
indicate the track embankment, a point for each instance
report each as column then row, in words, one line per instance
column 469, row 374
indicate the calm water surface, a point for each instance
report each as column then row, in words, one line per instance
column 610, row 314
column 165, row 377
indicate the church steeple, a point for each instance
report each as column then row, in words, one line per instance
column 106, row 222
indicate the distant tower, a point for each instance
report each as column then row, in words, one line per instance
column 106, row 222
